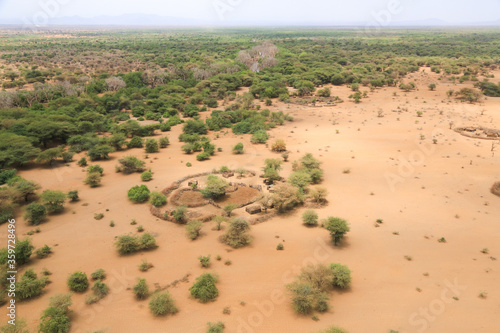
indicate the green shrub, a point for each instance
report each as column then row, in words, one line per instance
column 135, row 142
column 127, row 245
column 236, row 235
column 279, row 146
column 73, row 195
column 193, row 229
column 162, row 304
column 259, row 136
column 280, row 247
column 180, row 214
column 341, row 275
column 216, row 327
column 238, row 148
column 5, row 175
column 215, row 187
column 204, row 261
column 310, row 217
column 304, row 297
column 152, row 146
column 100, row 289
column 61, row 301
column 95, row 168
column 130, row 244
column 203, row 156
column 54, row 320
column 164, row 142
column 35, row 213
column 204, row 288
column 78, row 282
column 82, row 162
column 157, row 199
column 130, row 164
column 139, row 193
column 145, row 266
column 43, row 252
column 146, row 176
column 23, row 251
column 53, row 200
column 147, row 242
column 29, row 285
column 99, row 274
column 141, row 290
column 337, row 227
column 300, row 179
column 93, row 179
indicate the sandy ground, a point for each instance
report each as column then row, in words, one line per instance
column 421, row 190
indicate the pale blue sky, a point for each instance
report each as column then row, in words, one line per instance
column 280, row 11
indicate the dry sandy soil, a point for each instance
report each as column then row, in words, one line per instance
column 422, row 191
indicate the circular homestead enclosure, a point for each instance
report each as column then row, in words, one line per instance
column 242, row 191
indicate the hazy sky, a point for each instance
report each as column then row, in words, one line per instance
column 279, row 11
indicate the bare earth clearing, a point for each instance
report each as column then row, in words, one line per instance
column 421, row 190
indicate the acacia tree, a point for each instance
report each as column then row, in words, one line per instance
column 115, row 83
column 16, row 150
column 53, row 200
column 25, row 188
column 337, row 227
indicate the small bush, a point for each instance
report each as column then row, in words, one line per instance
column 130, row 244
column 318, row 194
column 135, row 142
column 193, row 229
column 130, row 164
column 99, row 274
column 23, row 251
column 93, row 179
column 54, row 320
column 205, row 261
column 141, row 290
column 280, row 247
column 238, row 148
column 236, row 236
column 95, row 168
column 279, row 146
column 53, row 201
column 82, row 162
column 146, row 176
column 78, row 282
column 259, row 136
column 179, row 214
column 35, row 213
column 162, row 304
column 152, row 146
column 139, row 194
column 29, row 286
column 215, row 187
column 43, row 252
column 98, row 216
column 164, row 142
column 73, row 195
column 341, row 275
column 310, row 218
column 157, row 199
column 100, row 289
column 203, row 156
column 204, row 288
column 216, row 327
column 145, row 266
